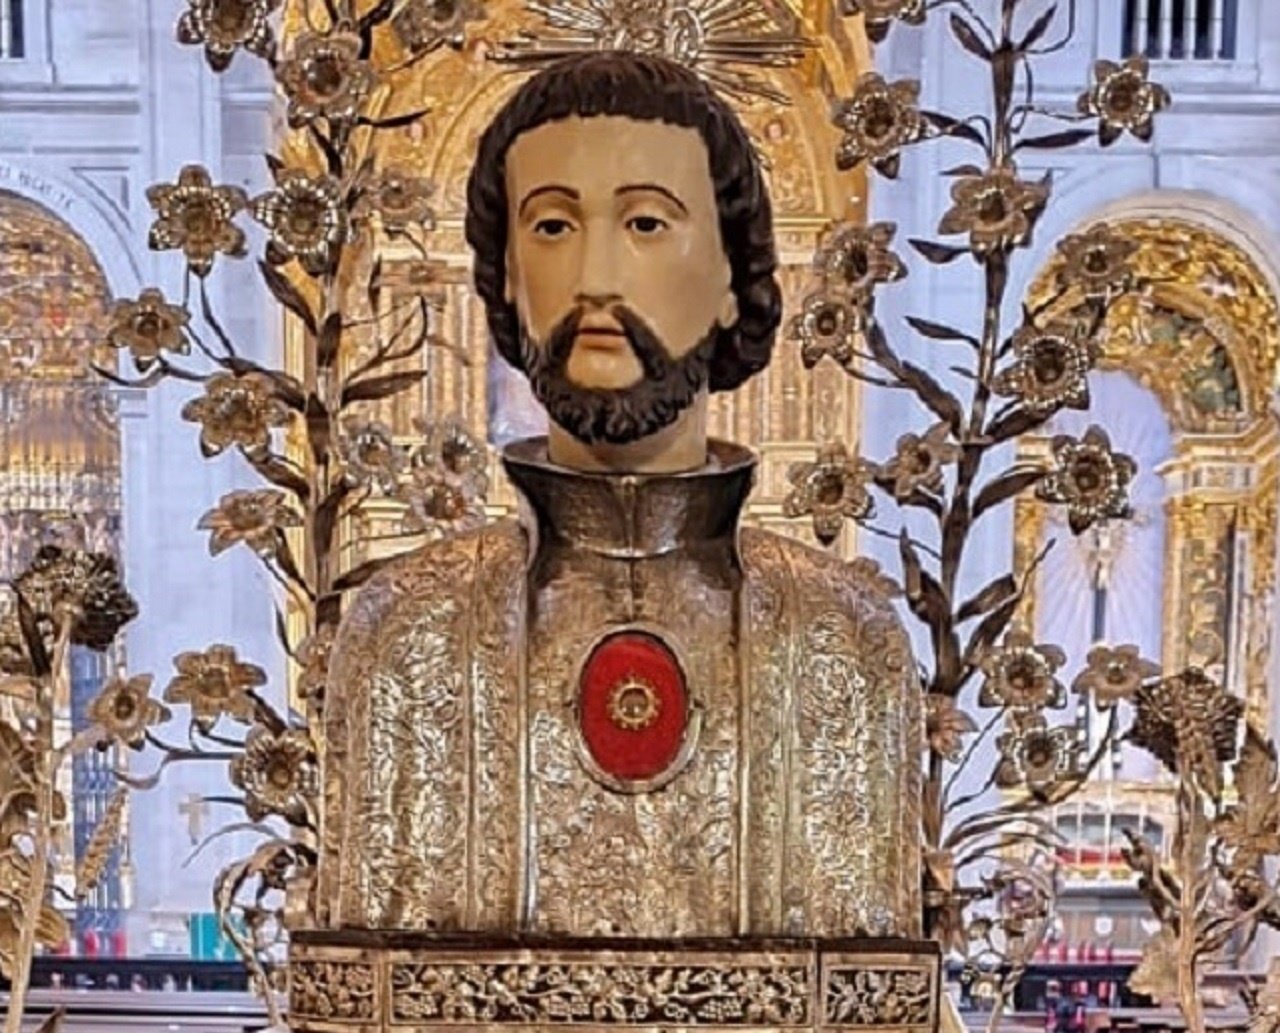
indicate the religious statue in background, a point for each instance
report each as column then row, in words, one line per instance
column 624, row 716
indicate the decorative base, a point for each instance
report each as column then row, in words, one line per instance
column 416, row 983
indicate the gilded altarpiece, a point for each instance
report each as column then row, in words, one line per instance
column 60, row 467
column 1204, row 343
column 786, row 413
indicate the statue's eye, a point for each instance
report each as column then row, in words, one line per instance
column 646, row 225
column 552, row 227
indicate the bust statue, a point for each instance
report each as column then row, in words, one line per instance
column 622, row 715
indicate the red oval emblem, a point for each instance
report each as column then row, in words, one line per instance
column 633, row 706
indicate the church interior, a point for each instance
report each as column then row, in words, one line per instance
column 368, row 663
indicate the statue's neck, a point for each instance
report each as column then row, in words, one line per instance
column 632, row 516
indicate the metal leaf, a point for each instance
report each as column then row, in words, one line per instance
column 1038, row 28
column 991, row 628
column 948, row 126
column 942, row 402
column 279, row 473
column 938, row 254
column 329, row 339
column 357, row 576
column 996, row 593
column 1050, row 141
column 1006, row 487
column 288, row 295
column 968, row 38
column 373, row 388
column 940, row 331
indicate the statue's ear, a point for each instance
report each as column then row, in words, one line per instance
column 729, row 312
column 728, row 315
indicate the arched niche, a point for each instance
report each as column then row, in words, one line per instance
column 60, row 463
column 1205, row 341
column 1185, row 382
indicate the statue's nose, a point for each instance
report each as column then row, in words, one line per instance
column 599, row 273
column 598, row 300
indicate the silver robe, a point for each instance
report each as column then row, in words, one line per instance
column 457, row 798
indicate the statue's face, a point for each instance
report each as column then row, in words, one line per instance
column 613, row 215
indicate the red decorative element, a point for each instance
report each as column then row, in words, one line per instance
column 632, row 658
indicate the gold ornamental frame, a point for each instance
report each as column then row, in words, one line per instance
column 1222, row 481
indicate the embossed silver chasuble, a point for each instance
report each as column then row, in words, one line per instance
column 623, row 715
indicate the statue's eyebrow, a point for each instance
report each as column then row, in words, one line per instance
column 655, row 188
column 549, row 188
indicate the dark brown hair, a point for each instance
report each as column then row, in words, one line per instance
column 646, row 88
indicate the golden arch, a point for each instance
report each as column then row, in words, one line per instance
column 1205, row 341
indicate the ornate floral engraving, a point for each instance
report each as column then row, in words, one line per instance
column 332, row 990
column 864, row 997
column 601, row 994
column 475, row 812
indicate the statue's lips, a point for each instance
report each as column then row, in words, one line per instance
column 604, row 338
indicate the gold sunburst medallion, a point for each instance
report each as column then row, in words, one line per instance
column 721, row 40
column 634, row 704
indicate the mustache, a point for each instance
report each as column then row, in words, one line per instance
column 640, row 337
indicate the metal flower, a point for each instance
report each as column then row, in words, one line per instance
column 223, row 26
column 400, row 199
column 19, row 776
column 1090, row 479
column 14, row 659
column 828, row 324
column 370, row 456
column 1157, row 974
column 81, row 587
column 214, row 683
column 252, row 517
column 918, row 461
column 881, row 14
column 325, row 77
column 1051, row 367
column 1036, row 756
column 1113, row 675
column 1250, row 828
column 1189, row 724
column 831, row 491
column 996, row 209
column 236, row 410
column 946, row 725
column 277, row 772
column 124, row 710
column 440, row 502
column 313, row 660
column 196, row 217
column 424, row 25
column 147, row 327
column 1021, row 674
column 449, row 443
column 1124, row 99
column 1096, row 261
column 306, row 219
column 855, row 260
column 446, row 490
column 877, row 122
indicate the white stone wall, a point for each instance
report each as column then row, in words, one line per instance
column 108, row 104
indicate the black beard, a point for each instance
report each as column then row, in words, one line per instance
column 621, row 416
